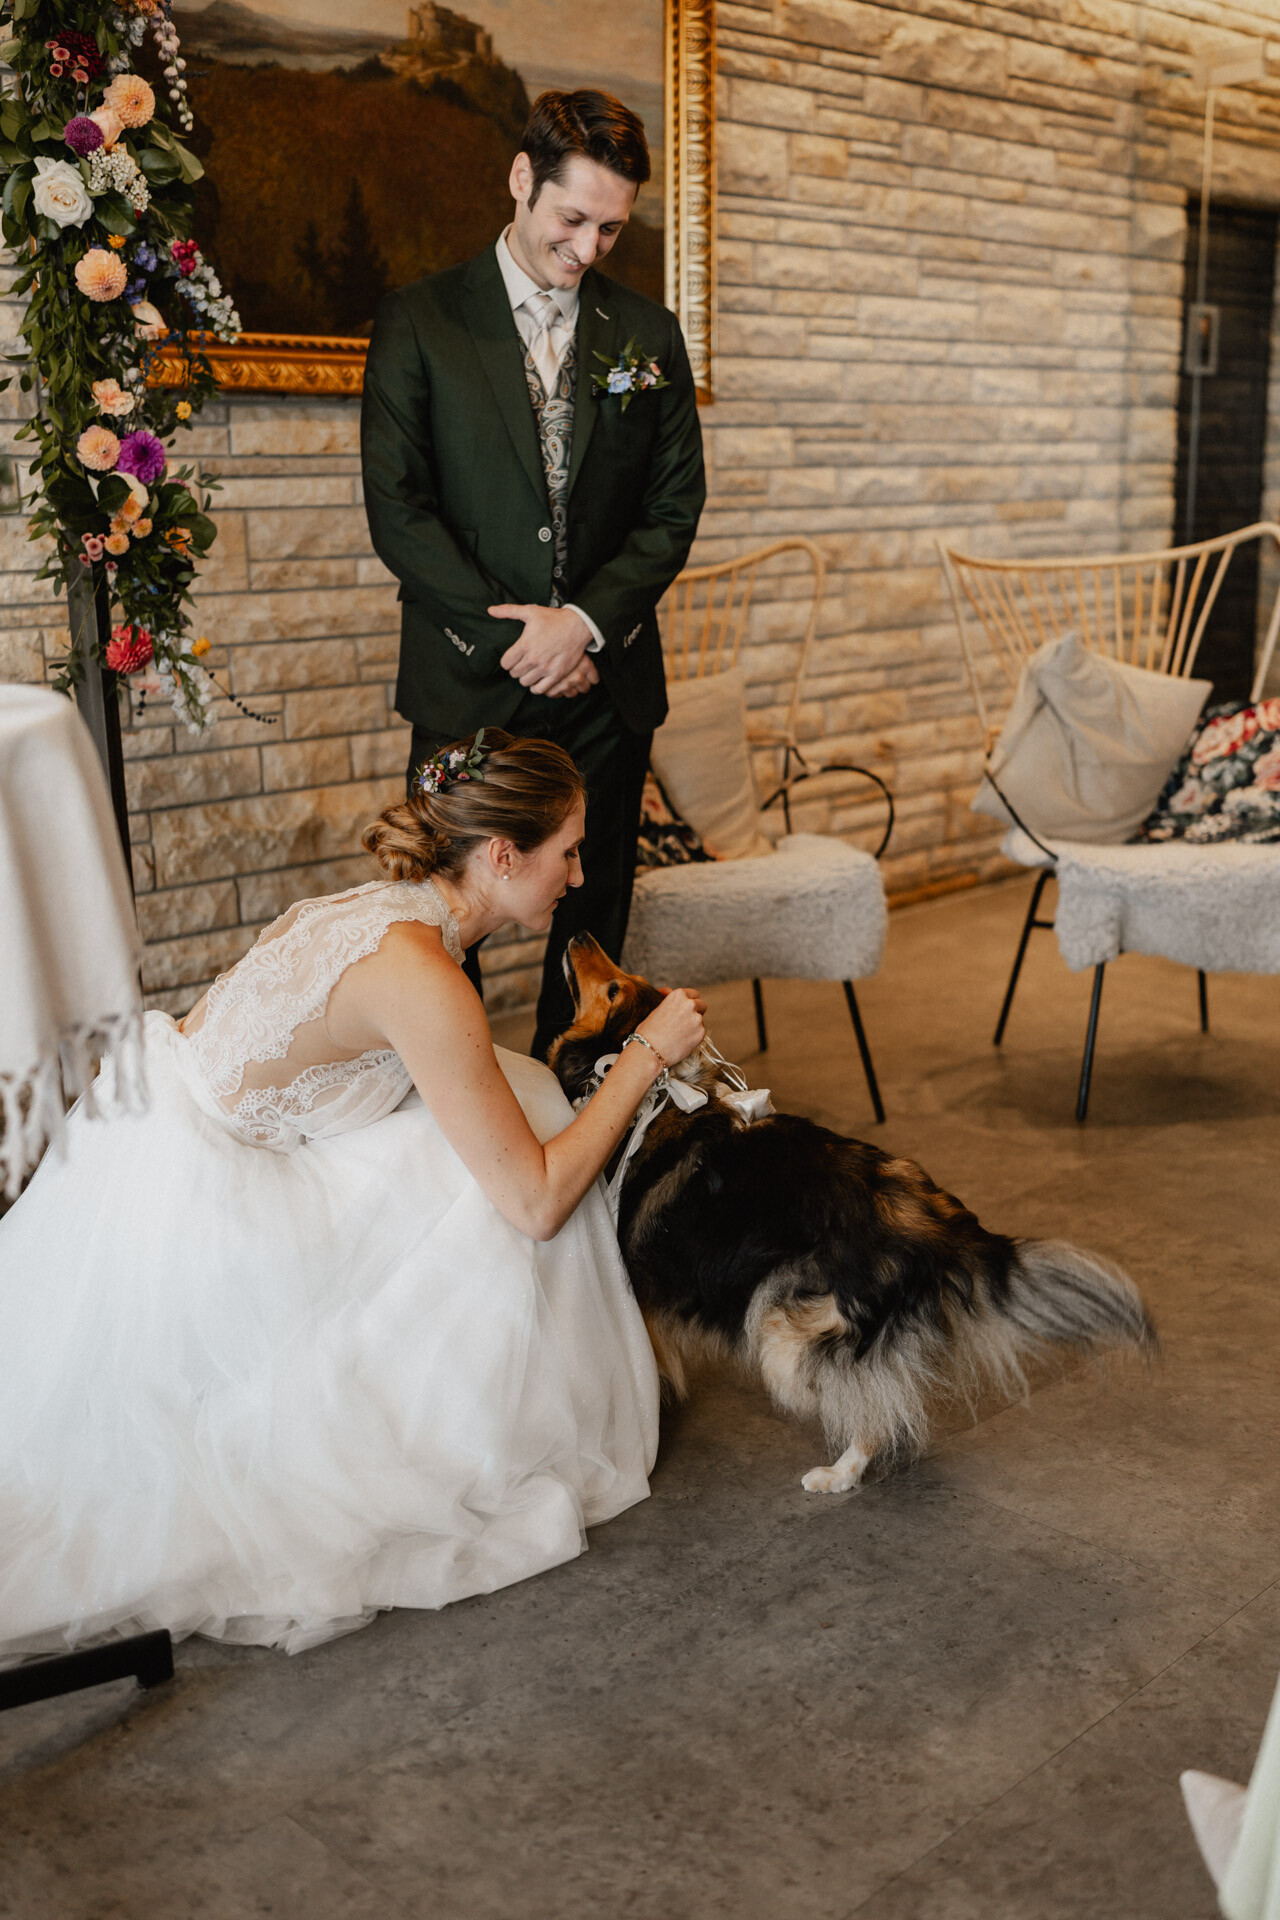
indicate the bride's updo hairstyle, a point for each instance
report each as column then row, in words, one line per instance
column 517, row 790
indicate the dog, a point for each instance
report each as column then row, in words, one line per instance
column 855, row 1289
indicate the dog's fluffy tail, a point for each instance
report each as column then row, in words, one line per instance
column 1062, row 1296
column 1049, row 1295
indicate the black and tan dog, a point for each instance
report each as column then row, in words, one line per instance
column 853, row 1286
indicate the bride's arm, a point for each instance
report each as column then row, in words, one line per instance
column 413, row 997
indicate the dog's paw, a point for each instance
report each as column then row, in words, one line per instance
column 835, row 1479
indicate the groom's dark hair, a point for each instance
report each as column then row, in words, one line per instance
column 593, row 124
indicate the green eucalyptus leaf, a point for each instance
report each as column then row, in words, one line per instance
column 202, row 530
column 115, row 213
column 191, row 167
column 159, row 167
column 113, row 492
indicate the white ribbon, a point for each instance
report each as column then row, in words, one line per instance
column 749, row 1103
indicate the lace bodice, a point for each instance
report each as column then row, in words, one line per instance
column 271, row 1008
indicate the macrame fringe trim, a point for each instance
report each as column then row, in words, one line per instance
column 34, row 1105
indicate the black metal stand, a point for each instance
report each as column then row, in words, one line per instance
column 762, row 1034
column 1203, row 985
column 145, row 1657
column 1090, row 1039
column 873, row 1085
column 1045, row 876
column 88, row 611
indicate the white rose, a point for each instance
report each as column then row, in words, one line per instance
column 61, row 194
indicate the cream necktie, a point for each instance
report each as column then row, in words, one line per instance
column 545, row 358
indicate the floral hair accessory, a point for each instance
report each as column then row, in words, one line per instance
column 453, row 766
column 633, row 372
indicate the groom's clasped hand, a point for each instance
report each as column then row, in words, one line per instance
column 550, row 657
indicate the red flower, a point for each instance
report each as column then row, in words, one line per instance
column 129, row 649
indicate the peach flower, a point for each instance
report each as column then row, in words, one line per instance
column 1268, row 712
column 131, row 99
column 111, row 124
column 141, row 528
column 98, row 448
column 101, row 275
column 112, row 398
column 116, row 543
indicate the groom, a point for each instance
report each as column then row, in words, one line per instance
column 534, row 522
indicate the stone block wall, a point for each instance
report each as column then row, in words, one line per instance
column 949, row 268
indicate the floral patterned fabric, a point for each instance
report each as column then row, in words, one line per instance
column 665, row 840
column 1227, row 784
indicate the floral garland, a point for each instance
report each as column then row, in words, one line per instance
column 97, row 206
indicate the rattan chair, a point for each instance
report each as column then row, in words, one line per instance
column 1146, row 609
column 814, row 908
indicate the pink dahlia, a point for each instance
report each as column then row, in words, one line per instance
column 82, row 135
column 143, row 454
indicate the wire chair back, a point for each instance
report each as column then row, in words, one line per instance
column 704, row 619
column 705, row 614
column 1146, row 609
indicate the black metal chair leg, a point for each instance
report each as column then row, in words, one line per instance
column 1086, row 1065
column 1204, row 1001
column 1043, row 878
column 872, row 1085
column 144, row 1657
column 761, row 1031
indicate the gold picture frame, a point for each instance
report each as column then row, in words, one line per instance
column 316, row 364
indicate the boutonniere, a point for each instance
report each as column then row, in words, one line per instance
column 630, row 374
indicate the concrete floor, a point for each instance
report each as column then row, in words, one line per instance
column 962, row 1694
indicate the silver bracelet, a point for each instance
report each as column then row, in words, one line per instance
column 639, row 1039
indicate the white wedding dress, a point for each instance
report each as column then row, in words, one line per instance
column 270, row 1360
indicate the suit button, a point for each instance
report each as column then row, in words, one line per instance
column 544, row 534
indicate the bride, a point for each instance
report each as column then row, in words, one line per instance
column 290, row 1346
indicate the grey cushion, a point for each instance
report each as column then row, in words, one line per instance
column 1088, row 744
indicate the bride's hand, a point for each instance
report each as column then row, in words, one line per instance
column 676, row 1028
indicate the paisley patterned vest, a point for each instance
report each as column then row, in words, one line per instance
column 553, row 414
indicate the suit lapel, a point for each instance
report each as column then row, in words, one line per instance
column 597, row 324
column 493, row 331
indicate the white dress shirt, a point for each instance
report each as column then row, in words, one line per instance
column 519, row 286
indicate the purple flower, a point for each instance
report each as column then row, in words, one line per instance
column 82, row 135
column 142, row 454
column 144, row 257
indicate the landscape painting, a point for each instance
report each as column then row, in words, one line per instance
column 351, row 146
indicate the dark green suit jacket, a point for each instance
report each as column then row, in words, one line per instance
column 457, row 501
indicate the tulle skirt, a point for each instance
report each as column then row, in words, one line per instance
column 261, row 1395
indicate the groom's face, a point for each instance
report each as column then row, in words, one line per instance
column 573, row 222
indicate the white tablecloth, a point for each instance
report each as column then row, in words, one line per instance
column 68, row 938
